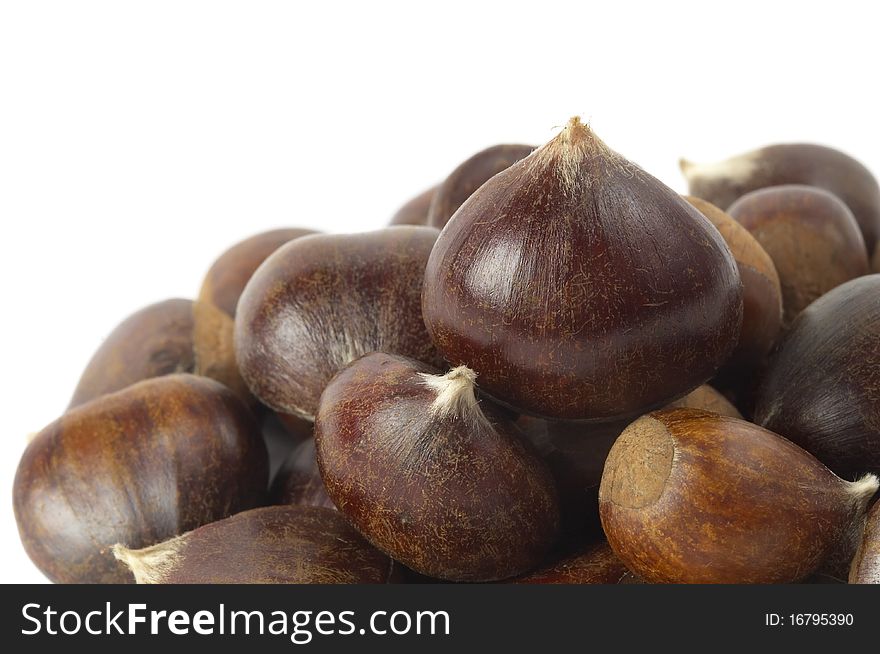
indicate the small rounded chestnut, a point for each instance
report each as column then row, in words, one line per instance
column 321, row 301
column 298, row 481
column 471, row 175
column 565, row 281
column 230, row 272
column 137, row 466
column 595, row 565
column 822, row 386
column 791, row 163
column 271, row 545
column 440, row 482
column 415, row 211
column 812, row 237
column 689, row 496
column 866, row 564
column 762, row 293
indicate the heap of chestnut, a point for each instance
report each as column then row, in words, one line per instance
column 550, row 368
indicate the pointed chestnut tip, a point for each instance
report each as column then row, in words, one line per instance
column 686, row 166
column 150, row 565
column 864, row 488
column 456, row 392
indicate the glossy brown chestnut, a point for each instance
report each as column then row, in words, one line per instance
column 440, row 482
column 762, row 293
column 689, row 496
column 272, row 545
column 471, row 175
column 415, row 212
column 231, row 271
column 580, row 287
column 795, row 163
column 596, row 565
column 706, row 398
column 322, row 301
column 137, row 466
column 299, row 479
column 866, row 564
column 822, row 387
column 811, row 236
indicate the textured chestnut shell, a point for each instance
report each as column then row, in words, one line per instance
column 822, row 388
column 580, row 287
column 458, row 496
column 321, row 301
column 230, row 272
column 597, row 564
column 136, row 467
column 415, row 211
column 689, row 496
column 298, row 481
column 471, row 175
column 866, row 564
column 811, row 236
column 272, row 545
column 792, row 163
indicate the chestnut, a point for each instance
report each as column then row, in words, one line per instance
column 875, row 262
column 689, row 496
column 230, row 272
column 822, row 386
column 415, row 211
column 565, row 280
column 137, row 466
column 471, row 175
column 866, row 564
column 791, row 163
column 437, row 480
column 811, row 236
column 762, row 293
column 298, row 481
column 708, row 399
column 597, row 564
column 321, row 301
column 272, row 545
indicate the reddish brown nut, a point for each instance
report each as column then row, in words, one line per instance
column 415, row 212
column 811, row 236
column 762, row 293
column 866, row 564
column 438, row 481
column 322, row 301
column 138, row 466
column 471, row 175
column 565, row 281
column 706, row 398
column 796, row 163
column 231, row 271
column 595, row 565
column 822, row 387
column 299, row 479
column 272, row 545
column 689, row 496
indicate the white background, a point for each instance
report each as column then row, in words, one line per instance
column 140, row 139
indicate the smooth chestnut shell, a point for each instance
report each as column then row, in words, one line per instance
column 812, row 237
column 596, row 565
column 321, row 301
column 272, row 545
column 471, row 175
column 445, row 485
column 139, row 466
column 791, row 163
column 689, row 496
column 866, row 564
column 230, row 272
column 298, row 481
column 822, row 388
column 415, row 211
column 580, row 287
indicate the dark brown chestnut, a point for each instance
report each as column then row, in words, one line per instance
column 298, row 481
column 596, row 565
column 689, row 496
column 440, row 482
column 272, row 545
column 791, row 163
column 321, row 301
column 811, row 236
column 822, row 387
column 580, row 287
column 415, row 211
column 875, row 262
column 866, row 564
column 137, row 466
column 471, row 175
column 762, row 293
column 231, row 271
